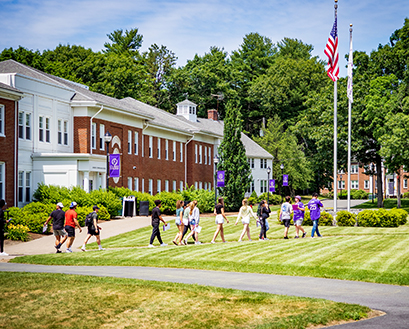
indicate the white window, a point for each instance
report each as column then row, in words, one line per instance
column 101, row 136
column 205, row 185
column 158, row 148
column 181, row 152
column 129, row 142
column 366, row 184
column 150, row 147
column 143, row 146
column 405, row 183
column 41, row 129
column 150, row 186
column 135, row 145
column 174, row 186
column 158, row 188
column 354, row 184
column 354, row 169
column 136, row 184
column 174, row 151
column 195, row 185
column 2, row 180
column 166, row 149
column 205, row 156
column 341, row 184
column 200, row 153
column 251, row 187
column 65, row 132
column 28, row 186
column 166, row 185
column 20, row 186
column 59, row 134
column 143, row 185
column 47, row 130
column 210, row 186
column 200, row 185
column 93, row 135
column 263, row 164
column 195, row 153
column 28, row 126
column 2, row 120
column 181, row 186
column 130, row 183
column 263, row 186
column 210, row 155
column 21, row 125
column 251, row 162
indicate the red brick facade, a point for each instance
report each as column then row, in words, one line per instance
column 8, row 147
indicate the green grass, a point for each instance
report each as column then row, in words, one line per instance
column 353, row 253
column 34, row 300
column 387, row 203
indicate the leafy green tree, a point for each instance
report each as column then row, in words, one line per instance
column 24, row 56
column 127, row 42
column 233, row 158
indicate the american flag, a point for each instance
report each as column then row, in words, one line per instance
column 331, row 50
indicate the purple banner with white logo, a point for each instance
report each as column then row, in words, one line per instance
column 220, row 178
column 114, row 165
column 285, row 180
column 272, row 185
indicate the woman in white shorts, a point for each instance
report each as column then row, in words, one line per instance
column 245, row 212
column 220, row 217
column 194, row 218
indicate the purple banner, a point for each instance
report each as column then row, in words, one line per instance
column 220, row 178
column 114, row 165
column 285, row 180
column 272, row 185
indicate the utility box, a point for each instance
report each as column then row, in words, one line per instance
column 129, row 206
column 143, row 208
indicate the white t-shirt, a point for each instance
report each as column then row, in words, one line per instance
column 286, row 209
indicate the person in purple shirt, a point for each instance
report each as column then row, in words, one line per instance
column 298, row 218
column 315, row 213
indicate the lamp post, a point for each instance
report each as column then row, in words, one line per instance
column 282, row 175
column 215, row 161
column 107, row 139
column 340, row 178
column 268, row 184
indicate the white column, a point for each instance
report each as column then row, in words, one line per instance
column 86, row 181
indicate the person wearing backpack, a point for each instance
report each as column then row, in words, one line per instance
column 264, row 214
column 58, row 216
column 285, row 215
column 91, row 221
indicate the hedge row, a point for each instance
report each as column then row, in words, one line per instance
column 343, row 195
column 373, row 218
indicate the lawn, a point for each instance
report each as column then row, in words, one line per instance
column 34, row 300
column 378, row 255
column 387, row 203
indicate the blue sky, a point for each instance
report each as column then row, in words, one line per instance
column 192, row 27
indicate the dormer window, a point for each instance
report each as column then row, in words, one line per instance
column 187, row 109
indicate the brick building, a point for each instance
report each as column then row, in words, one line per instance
column 61, row 128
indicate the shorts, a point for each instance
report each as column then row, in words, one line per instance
column 287, row 222
column 185, row 222
column 92, row 231
column 245, row 220
column 61, row 232
column 192, row 222
column 219, row 219
column 177, row 221
column 298, row 222
column 70, row 230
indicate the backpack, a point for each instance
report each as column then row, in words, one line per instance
column 259, row 211
column 88, row 220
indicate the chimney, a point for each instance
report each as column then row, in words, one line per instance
column 213, row 115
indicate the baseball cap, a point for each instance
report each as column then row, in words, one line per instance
column 73, row 204
column 95, row 207
column 298, row 197
column 59, row 204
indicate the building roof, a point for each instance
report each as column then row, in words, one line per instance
column 186, row 102
column 9, row 88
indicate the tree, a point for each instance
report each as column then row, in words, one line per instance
column 282, row 145
column 127, row 42
column 233, row 158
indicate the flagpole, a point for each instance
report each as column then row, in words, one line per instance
column 335, row 133
column 349, row 114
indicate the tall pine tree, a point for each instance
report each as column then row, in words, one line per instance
column 233, row 159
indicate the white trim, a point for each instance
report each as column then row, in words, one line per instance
column 2, row 121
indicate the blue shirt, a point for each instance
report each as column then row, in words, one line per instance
column 314, row 206
column 298, row 214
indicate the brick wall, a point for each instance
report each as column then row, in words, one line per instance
column 8, row 147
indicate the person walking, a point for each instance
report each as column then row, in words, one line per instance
column 71, row 223
column 185, row 220
column 93, row 229
column 265, row 213
column 315, row 213
column 299, row 211
column 156, row 219
column 58, row 216
column 285, row 215
column 194, row 218
column 245, row 212
column 220, row 217
column 3, row 222
column 179, row 222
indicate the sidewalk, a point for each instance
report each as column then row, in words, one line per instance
column 45, row 245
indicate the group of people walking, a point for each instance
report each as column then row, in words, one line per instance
column 188, row 218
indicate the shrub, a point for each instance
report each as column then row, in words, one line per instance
column 108, row 199
column 273, row 198
column 401, row 214
column 17, row 232
column 406, row 195
column 345, row 218
column 367, row 218
column 325, row 219
column 382, row 218
column 103, row 213
column 168, row 200
column 359, row 194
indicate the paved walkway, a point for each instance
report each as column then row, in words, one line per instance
column 342, row 204
column 394, row 300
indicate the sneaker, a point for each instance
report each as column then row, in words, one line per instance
column 198, row 242
column 260, row 239
column 68, row 250
column 175, row 243
column 4, row 254
column 240, row 240
column 304, row 234
column 58, row 251
column 163, row 244
column 296, row 237
column 101, row 248
column 286, row 237
column 265, row 239
column 83, row 248
column 185, row 242
column 320, row 236
column 151, row 246
column 250, row 240
column 212, row 242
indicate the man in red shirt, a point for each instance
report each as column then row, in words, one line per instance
column 70, row 224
